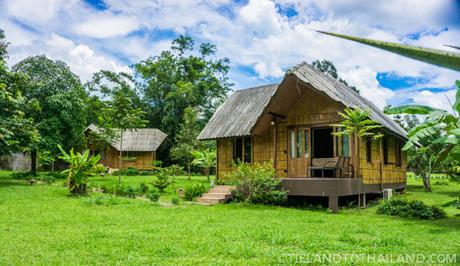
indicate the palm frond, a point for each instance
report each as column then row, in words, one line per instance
column 432, row 56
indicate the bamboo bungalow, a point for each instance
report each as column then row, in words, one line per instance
column 139, row 148
column 289, row 124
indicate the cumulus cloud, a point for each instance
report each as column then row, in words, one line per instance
column 255, row 35
column 106, row 26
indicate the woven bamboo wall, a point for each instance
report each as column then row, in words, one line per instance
column 143, row 159
column 391, row 173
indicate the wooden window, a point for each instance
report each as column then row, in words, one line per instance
column 237, row 149
column 345, row 145
column 292, row 143
column 369, row 150
column 299, row 143
column 385, row 149
column 247, row 149
column 242, row 149
column 307, row 143
column 398, row 152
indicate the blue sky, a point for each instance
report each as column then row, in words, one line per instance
column 261, row 38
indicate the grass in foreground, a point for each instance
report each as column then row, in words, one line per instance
column 44, row 225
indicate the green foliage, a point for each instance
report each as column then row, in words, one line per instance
column 81, row 168
column 186, row 138
column 55, row 102
column 205, row 160
column 179, row 78
column 432, row 56
column 132, row 171
column 164, row 178
column 175, row 200
column 357, row 121
column 329, row 68
column 195, row 190
column 411, row 109
column 410, row 209
column 17, row 131
column 153, row 195
column 257, row 184
column 143, row 188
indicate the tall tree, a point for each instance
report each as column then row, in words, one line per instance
column 180, row 77
column 329, row 68
column 56, row 98
column 121, row 112
column 186, row 139
column 17, row 132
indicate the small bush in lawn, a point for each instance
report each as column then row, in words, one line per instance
column 175, row 201
column 164, row 178
column 48, row 179
column 257, row 184
column 131, row 171
column 410, row 209
column 102, row 200
column 195, row 190
column 143, row 188
column 21, row 175
column 153, row 195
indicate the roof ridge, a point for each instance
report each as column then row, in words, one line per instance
column 258, row 87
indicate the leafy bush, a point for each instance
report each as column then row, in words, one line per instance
column 132, row 171
column 153, row 195
column 175, row 201
column 195, row 190
column 257, row 184
column 410, row 209
column 102, row 200
column 21, row 175
column 164, row 178
column 143, row 188
column 125, row 191
column 48, row 179
column 81, row 167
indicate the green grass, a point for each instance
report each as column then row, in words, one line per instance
column 42, row 224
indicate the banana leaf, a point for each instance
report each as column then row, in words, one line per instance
column 413, row 109
column 432, row 56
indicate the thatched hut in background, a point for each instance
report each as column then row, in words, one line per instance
column 138, row 147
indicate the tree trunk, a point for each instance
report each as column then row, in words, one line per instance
column 120, row 158
column 207, row 174
column 33, row 160
column 426, row 181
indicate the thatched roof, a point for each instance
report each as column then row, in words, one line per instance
column 238, row 115
column 138, row 139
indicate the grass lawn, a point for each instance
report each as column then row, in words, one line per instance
column 42, row 224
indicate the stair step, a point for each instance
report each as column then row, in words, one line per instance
column 216, row 195
column 210, row 200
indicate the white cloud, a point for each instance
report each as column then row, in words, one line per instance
column 81, row 59
column 252, row 34
column 106, row 26
column 441, row 100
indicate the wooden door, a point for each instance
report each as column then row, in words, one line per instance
column 299, row 151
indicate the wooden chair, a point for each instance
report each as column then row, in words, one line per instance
column 345, row 167
column 324, row 164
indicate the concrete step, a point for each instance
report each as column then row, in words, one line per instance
column 212, row 194
column 210, row 200
column 218, row 190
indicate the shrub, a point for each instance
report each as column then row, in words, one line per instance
column 81, row 167
column 101, row 200
column 132, row 171
column 257, row 184
column 153, row 195
column 164, row 178
column 143, row 188
column 195, row 190
column 48, row 179
column 21, row 175
column 125, row 191
column 410, row 209
column 175, row 201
